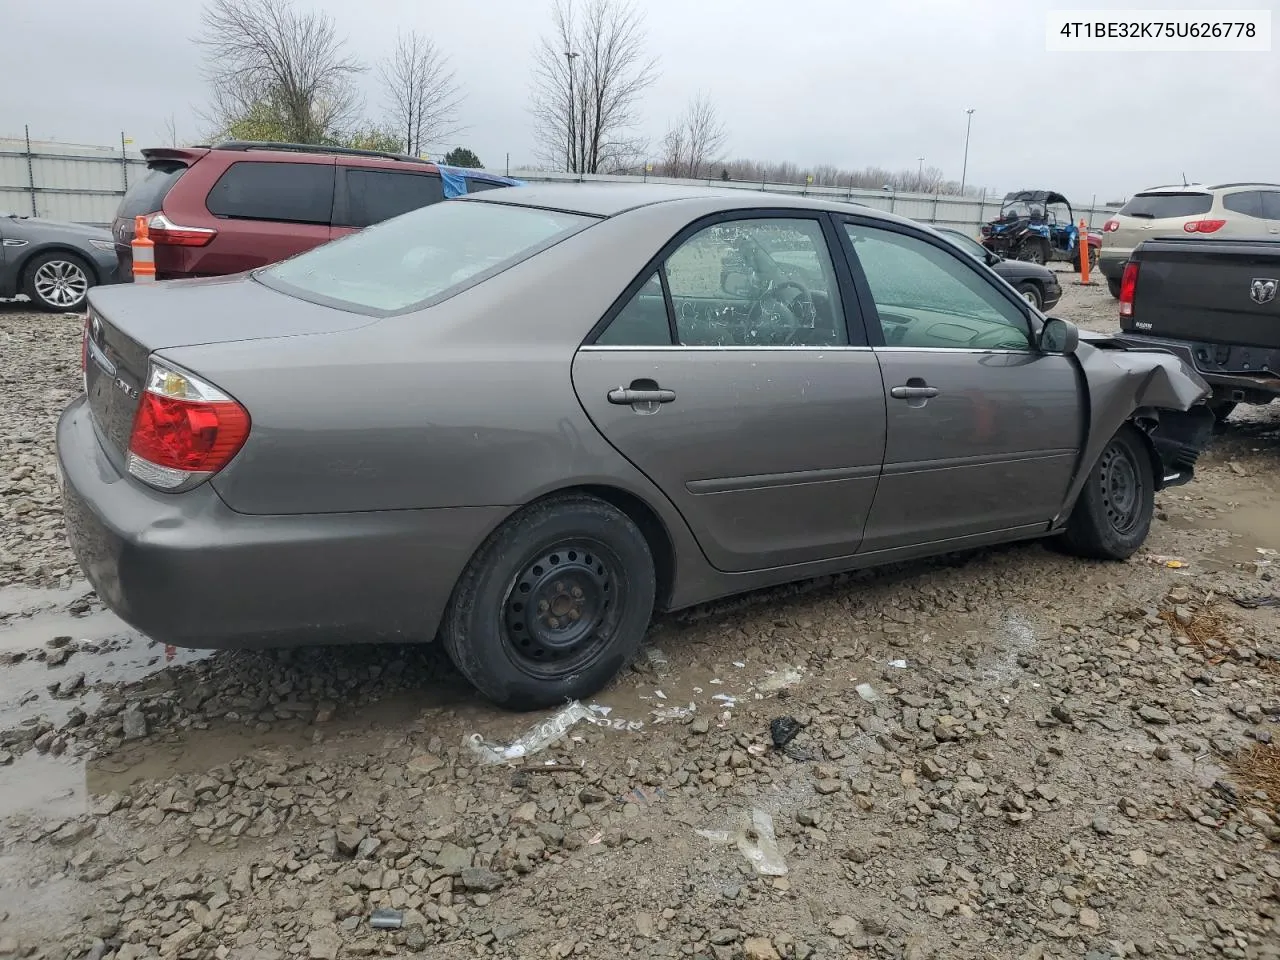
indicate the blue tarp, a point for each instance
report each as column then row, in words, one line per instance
column 455, row 184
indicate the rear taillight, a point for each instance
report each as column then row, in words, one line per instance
column 1111, row 226
column 1203, row 226
column 1128, row 286
column 165, row 231
column 185, row 430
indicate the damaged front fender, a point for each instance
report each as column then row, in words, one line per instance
column 1158, row 393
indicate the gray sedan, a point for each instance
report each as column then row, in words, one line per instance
column 523, row 421
column 53, row 263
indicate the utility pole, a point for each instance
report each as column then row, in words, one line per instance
column 570, row 56
column 965, row 169
column 920, row 172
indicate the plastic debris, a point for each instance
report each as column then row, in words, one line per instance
column 674, row 713
column 1173, row 563
column 384, row 918
column 867, row 692
column 783, row 730
column 787, row 677
column 755, row 840
column 898, row 664
column 655, row 658
column 546, row 733
column 643, row 796
column 725, row 698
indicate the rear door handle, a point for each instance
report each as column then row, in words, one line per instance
column 911, row 393
column 626, row 395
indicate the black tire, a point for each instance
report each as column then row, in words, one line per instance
column 57, row 281
column 1111, row 519
column 1033, row 251
column 576, row 555
column 1113, row 287
column 1075, row 264
column 1030, row 292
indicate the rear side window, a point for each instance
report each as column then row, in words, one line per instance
column 289, row 192
column 1248, row 203
column 1158, row 206
column 148, row 191
column 1271, row 204
column 419, row 257
column 377, row 195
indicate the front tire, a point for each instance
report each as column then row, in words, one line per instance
column 553, row 605
column 57, row 282
column 1112, row 517
column 1033, row 251
column 1031, row 293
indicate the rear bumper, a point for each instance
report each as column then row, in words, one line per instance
column 1236, row 373
column 186, row 569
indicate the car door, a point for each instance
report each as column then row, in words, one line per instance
column 983, row 431
column 1271, row 210
column 367, row 196
column 735, row 373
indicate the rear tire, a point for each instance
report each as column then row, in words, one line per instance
column 1113, row 288
column 1033, row 251
column 553, row 605
column 57, row 282
column 1112, row 517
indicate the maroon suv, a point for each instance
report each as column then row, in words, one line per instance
column 243, row 204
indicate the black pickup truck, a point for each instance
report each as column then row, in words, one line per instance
column 1214, row 303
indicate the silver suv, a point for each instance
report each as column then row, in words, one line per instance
column 1222, row 210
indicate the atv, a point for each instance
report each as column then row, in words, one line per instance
column 1038, row 226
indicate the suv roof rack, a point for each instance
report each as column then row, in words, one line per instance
column 1244, row 183
column 312, row 148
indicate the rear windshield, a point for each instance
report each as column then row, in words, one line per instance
column 1158, row 206
column 415, row 258
column 147, row 194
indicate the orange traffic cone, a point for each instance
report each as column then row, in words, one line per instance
column 144, row 252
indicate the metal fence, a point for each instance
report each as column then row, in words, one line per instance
column 84, row 184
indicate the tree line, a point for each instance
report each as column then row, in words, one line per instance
column 278, row 73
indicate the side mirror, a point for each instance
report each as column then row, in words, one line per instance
column 993, row 258
column 1058, row 336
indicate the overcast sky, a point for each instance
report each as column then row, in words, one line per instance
column 846, row 82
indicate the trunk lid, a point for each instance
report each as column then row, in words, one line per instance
column 128, row 323
column 1209, row 291
column 1157, row 214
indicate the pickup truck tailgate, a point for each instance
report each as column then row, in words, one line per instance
column 1224, row 291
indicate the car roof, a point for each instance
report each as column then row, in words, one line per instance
column 611, row 199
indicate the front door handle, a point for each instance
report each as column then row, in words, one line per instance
column 629, row 395
column 912, row 393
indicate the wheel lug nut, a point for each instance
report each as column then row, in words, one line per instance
column 543, row 606
column 574, row 615
column 553, row 622
column 577, row 593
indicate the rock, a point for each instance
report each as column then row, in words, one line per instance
column 845, row 926
column 1154, row 715
column 479, row 879
column 349, row 840
column 827, row 787
column 134, row 721
column 1089, row 918
column 453, row 859
column 323, row 945
column 941, row 906
column 71, row 833
column 424, row 764
column 645, row 925
column 700, row 726
column 725, row 936
column 759, row 948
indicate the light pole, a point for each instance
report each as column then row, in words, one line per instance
column 920, row 172
column 570, row 56
column 965, row 169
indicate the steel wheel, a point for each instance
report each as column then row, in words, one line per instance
column 1122, row 493
column 562, row 609
column 1030, row 294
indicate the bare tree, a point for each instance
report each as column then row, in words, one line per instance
column 170, row 135
column 288, row 70
column 589, row 73
column 694, row 142
column 421, row 95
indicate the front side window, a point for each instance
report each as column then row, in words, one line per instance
column 287, row 192
column 766, row 282
column 377, row 195
column 927, row 296
column 419, row 257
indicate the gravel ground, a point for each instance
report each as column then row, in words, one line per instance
column 1009, row 754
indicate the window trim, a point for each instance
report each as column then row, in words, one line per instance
column 342, row 192
column 330, row 165
column 867, row 304
column 855, row 327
